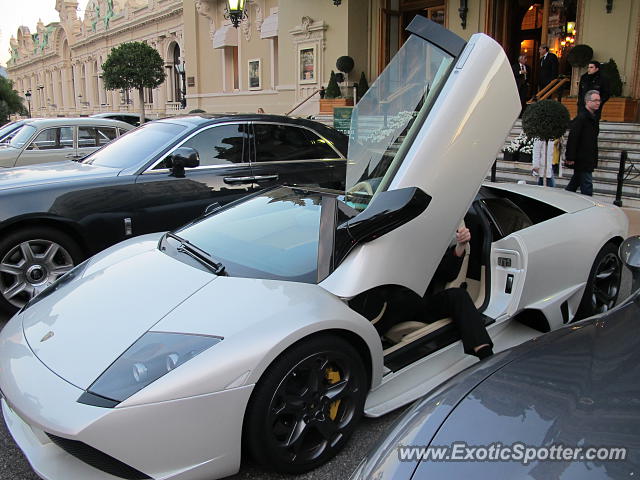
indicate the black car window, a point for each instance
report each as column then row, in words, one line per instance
column 219, row 145
column 95, row 136
column 137, row 146
column 506, row 216
column 52, row 139
column 284, row 142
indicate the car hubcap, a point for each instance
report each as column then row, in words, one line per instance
column 312, row 407
column 606, row 284
column 28, row 268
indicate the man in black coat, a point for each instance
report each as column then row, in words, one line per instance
column 594, row 80
column 548, row 67
column 582, row 145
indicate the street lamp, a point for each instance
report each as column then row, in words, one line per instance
column 235, row 11
column 183, row 91
column 27, row 95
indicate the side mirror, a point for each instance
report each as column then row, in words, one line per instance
column 629, row 253
column 183, row 157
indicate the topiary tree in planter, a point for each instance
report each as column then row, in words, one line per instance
column 580, row 55
column 610, row 70
column 345, row 64
column 363, row 86
column 545, row 120
column 333, row 90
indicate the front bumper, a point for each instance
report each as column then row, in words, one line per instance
column 185, row 439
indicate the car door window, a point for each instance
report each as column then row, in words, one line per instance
column 285, row 142
column 53, row 138
column 95, row 136
column 506, row 217
column 219, row 145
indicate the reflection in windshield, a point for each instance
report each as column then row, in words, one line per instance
column 273, row 236
column 137, row 146
column 382, row 119
column 21, row 136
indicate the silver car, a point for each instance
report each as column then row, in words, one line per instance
column 55, row 139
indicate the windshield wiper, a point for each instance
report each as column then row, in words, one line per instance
column 197, row 253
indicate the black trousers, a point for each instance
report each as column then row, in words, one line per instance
column 457, row 304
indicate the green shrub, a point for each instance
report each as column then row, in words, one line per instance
column 546, row 120
column 345, row 64
column 363, row 86
column 580, row 55
column 333, row 90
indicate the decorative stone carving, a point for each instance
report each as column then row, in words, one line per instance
column 207, row 8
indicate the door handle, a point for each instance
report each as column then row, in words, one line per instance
column 266, row 177
column 237, row 179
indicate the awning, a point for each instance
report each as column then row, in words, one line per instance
column 270, row 27
column 225, row 36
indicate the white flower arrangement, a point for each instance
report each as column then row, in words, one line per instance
column 521, row 143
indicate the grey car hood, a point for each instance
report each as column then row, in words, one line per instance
column 51, row 173
column 581, row 390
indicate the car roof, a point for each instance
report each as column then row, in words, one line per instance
column 73, row 121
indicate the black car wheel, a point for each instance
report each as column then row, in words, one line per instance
column 30, row 260
column 603, row 284
column 306, row 405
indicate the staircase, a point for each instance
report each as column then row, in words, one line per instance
column 613, row 139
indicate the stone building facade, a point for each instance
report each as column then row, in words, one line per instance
column 60, row 63
column 285, row 50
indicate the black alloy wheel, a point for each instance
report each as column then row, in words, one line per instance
column 603, row 285
column 306, row 406
column 30, row 260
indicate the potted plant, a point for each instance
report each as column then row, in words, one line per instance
column 519, row 149
column 617, row 108
column 545, row 120
column 333, row 97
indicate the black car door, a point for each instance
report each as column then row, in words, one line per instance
column 224, row 175
column 292, row 154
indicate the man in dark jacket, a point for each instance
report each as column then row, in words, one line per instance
column 548, row 67
column 594, row 80
column 582, row 145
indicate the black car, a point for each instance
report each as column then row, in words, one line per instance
column 54, row 215
column 563, row 406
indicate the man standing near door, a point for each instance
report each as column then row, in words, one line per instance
column 548, row 67
column 582, row 145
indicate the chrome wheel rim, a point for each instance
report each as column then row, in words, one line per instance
column 606, row 283
column 31, row 266
column 312, row 407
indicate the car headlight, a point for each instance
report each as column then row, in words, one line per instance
column 149, row 358
column 75, row 272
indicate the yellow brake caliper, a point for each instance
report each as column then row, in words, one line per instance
column 333, row 376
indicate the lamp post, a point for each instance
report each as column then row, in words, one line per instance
column 27, row 95
column 41, row 97
column 183, row 90
column 235, row 11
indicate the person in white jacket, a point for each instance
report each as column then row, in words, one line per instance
column 539, row 169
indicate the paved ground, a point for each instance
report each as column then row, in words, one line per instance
column 13, row 465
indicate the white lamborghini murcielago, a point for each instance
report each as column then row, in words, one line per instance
column 169, row 355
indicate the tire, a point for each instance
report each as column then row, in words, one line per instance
column 291, row 425
column 30, row 259
column 603, row 284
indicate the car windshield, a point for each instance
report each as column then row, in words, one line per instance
column 387, row 117
column 21, row 136
column 272, row 236
column 137, row 146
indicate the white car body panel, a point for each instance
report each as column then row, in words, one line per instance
column 94, row 333
column 456, row 132
column 567, row 201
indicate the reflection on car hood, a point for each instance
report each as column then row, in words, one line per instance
column 79, row 330
column 51, row 173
